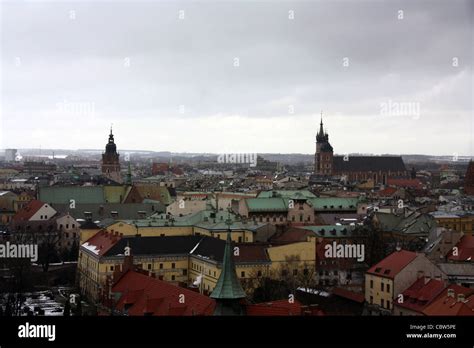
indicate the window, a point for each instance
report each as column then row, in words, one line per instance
column 185, row 272
column 161, row 266
column 382, row 302
column 371, row 299
column 149, row 266
column 388, row 304
column 173, row 265
column 111, row 268
column 259, row 273
column 240, row 239
column 242, row 274
column 388, row 287
column 173, row 277
column 67, row 225
column 382, row 286
column 371, row 284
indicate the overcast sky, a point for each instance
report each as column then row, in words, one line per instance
column 239, row 76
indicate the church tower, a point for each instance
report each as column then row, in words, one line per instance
column 110, row 160
column 228, row 292
column 323, row 159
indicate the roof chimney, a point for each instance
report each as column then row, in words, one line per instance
column 451, row 293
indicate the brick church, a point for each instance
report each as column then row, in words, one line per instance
column 110, row 161
column 355, row 168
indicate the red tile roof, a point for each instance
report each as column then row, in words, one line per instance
column 147, row 295
column 387, row 192
column 28, row 211
column 275, row 308
column 414, row 183
column 251, row 253
column 392, row 264
column 465, row 250
column 421, row 293
column 101, row 242
column 293, row 235
column 445, row 305
column 354, row 296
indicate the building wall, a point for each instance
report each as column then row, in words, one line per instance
column 238, row 236
column 44, row 213
column 462, row 223
column 301, row 213
column 306, row 251
column 85, row 234
column 374, row 293
column 419, row 267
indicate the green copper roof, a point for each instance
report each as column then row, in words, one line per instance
column 228, row 286
column 286, row 194
column 80, row 194
column 333, row 203
column 332, row 231
column 276, row 204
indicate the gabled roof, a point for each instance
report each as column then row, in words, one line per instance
column 141, row 294
column 421, row 293
column 101, row 242
column 28, row 211
column 445, row 305
column 465, row 250
column 392, row 264
column 368, row 163
column 414, row 223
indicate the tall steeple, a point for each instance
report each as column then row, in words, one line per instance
column 323, row 157
column 320, row 135
column 228, row 291
column 111, row 160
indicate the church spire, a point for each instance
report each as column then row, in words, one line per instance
column 228, row 291
column 320, row 135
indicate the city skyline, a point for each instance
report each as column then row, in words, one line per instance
column 189, row 77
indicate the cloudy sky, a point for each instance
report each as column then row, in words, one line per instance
column 239, row 76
